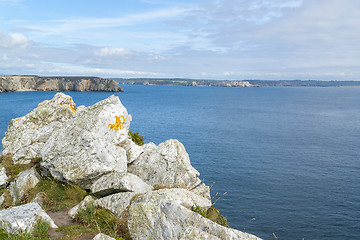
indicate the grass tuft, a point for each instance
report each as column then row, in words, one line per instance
column 212, row 214
column 102, row 220
column 137, row 138
column 57, row 195
column 12, row 170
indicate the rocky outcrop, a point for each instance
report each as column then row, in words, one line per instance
column 154, row 186
column 25, row 136
column 35, row 83
column 93, row 138
column 23, row 218
column 166, row 165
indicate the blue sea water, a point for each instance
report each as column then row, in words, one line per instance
column 288, row 158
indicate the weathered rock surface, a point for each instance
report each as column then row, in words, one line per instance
column 81, row 206
column 115, row 203
column 24, row 181
column 119, row 182
column 25, row 136
column 88, row 145
column 3, row 177
column 23, row 218
column 180, row 196
column 102, row 236
column 202, row 190
column 166, row 165
column 35, row 83
column 169, row 220
column 133, row 151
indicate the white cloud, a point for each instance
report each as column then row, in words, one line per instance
column 112, row 52
column 13, row 40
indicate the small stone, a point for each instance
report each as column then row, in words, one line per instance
column 24, row 181
column 102, row 236
column 3, row 177
column 81, row 206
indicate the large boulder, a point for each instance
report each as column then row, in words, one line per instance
column 26, row 135
column 118, row 182
column 24, row 181
column 88, row 145
column 116, row 203
column 23, row 218
column 167, row 165
column 170, row 220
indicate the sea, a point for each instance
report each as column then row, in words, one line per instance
column 282, row 162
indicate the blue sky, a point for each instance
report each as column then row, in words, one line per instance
column 212, row 39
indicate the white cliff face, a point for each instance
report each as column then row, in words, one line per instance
column 166, row 165
column 26, row 135
column 88, row 145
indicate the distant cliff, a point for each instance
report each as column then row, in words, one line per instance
column 185, row 82
column 36, row 83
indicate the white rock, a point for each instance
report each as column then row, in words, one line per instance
column 119, row 182
column 133, row 150
column 88, row 146
column 169, row 220
column 26, row 135
column 115, row 203
column 39, row 198
column 3, row 177
column 81, row 206
column 24, row 181
column 166, row 165
column 102, row 236
column 2, row 199
column 180, row 196
column 202, row 190
column 23, row 218
column 149, row 146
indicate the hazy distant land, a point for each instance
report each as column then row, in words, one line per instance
column 236, row 83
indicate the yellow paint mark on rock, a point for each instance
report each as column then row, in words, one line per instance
column 118, row 125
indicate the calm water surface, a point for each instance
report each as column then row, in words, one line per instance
column 287, row 157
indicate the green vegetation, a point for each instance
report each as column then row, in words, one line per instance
column 12, row 170
column 102, row 220
column 212, row 213
column 56, row 195
column 137, row 138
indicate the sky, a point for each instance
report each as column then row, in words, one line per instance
column 201, row 39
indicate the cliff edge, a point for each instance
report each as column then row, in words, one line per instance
column 149, row 191
column 36, row 83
